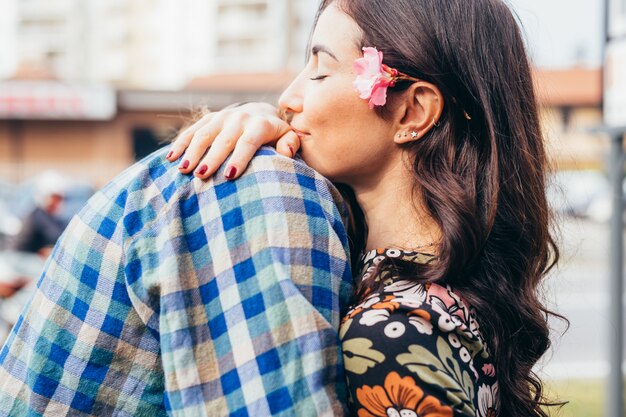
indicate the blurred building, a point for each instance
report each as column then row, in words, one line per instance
column 571, row 108
column 88, row 86
column 266, row 35
column 8, row 38
column 152, row 44
column 47, row 35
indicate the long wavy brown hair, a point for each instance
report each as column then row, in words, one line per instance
column 481, row 173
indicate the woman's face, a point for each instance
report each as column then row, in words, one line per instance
column 340, row 136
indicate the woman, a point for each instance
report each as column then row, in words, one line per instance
column 441, row 146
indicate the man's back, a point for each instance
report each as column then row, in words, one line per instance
column 171, row 295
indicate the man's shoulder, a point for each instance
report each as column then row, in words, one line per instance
column 155, row 173
column 154, row 185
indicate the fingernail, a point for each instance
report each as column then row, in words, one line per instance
column 203, row 169
column 169, row 155
column 185, row 164
column 230, row 174
column 292, row 151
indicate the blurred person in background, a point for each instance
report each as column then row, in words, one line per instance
column 426, row 110
column 25, row 254
column 43, row 226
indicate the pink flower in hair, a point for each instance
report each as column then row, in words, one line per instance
column 373, row 77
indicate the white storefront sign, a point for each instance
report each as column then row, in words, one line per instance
column 55, row 100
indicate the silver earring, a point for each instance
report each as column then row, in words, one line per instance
column 436, row 123
column 414, row 134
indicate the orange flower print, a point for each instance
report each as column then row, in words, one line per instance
column 388, row 303
column 369, row 301
column 421, row 320
column 399, row 397
column 379, row 311
column 352, row 313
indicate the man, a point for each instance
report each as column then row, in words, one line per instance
column 169, row 295
column 42, row 226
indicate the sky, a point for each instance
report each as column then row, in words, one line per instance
column 562, row 33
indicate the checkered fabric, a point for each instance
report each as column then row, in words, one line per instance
column 168, row 295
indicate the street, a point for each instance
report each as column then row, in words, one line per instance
column 579, row 290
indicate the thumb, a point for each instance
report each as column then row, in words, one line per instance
column 288, row 144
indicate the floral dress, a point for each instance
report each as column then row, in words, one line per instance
column 415, row 349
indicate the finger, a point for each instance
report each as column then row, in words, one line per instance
column 288, row 144
column 202, row 140
column 223, row 145
column 245, row 149
column 181, row 143
column 258, row 132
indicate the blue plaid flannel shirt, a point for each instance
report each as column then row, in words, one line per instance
column 168, row 295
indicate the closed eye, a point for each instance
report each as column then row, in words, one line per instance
column 319, row 77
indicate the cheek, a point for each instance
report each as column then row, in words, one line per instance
column 322, row 111
column 336, row 111
column 345, row 135
column 327, row 106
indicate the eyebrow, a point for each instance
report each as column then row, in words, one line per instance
column 321, row 48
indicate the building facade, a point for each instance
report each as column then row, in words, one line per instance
column 151, row 44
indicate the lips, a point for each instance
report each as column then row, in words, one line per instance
column 298, row 132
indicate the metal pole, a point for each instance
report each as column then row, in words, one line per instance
column 616, row 382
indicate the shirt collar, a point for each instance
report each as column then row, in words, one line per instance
column 373, row 257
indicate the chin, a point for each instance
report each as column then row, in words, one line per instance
column 313, row 160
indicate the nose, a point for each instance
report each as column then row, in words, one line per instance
column 290, row 100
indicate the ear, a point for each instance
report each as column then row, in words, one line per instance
column 420, row 111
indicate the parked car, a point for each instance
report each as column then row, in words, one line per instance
column 573, row 192
column 10, row 225
column 601, row 208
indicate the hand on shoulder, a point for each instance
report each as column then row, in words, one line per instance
column 240, row 130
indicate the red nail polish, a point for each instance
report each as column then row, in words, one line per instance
column 185, row 164
column 232, row 171
column 203, row 169
column 169, row 155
